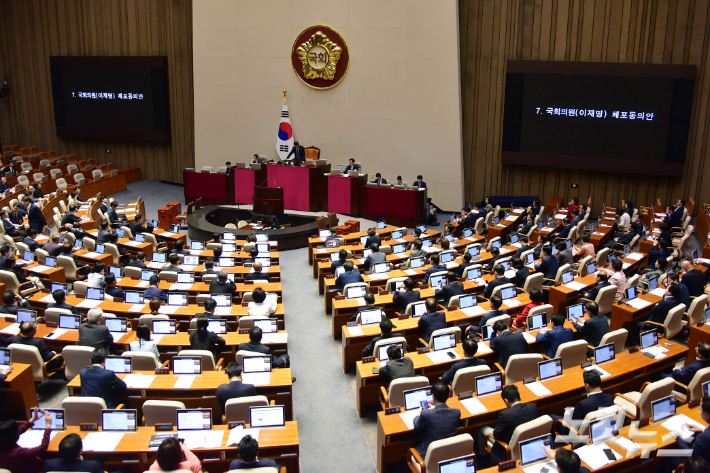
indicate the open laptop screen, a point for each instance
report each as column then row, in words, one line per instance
column 473, row 273
column 118, row 420
column 444, row 341
column 69, row 321
column 58, row 287
column 489, row 383
column 508, row 293
column 631, row 293
column 415, row 263
column 533, row 450
column 186, row 278
column 603, row 429
column 413, row 397
column 356, row 291
column 257, row 364
column 466, row 301
column 567, row 277
column 418, row 309
column 465, row 464
column 537, row 321
column 146, row 274
column 116, row 324
column 663, row 408
column 187, row 365
column 447, row 257
column 267, row 325
column 95, row 294
column 549, row 368
column 368, row 317
column 118, row 364
column 159, row 257
column 222, row 300
column 176, row 298
column 26, row 316
column 604, row 353
column 649, row 339
column 266, row 416
column 4, row 358
column 133, row 297
column 57, row 419
column 229, row 236
column 194, row 419
column 486, row 332
column 575, row 311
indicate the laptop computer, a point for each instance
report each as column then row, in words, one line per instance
column 229, row 236
column 530, row 259
column 508, row 293
column 514, row 238
column 603, row 429
column 652, row 284
column 366, row 252
column 537, row 321
column 100, row 249
column 467, row 300
column 156, row 224
column 447, row 257
column 229, row 248
column 267, row 325
column 58, row 287
column 363, row 239
column 575, row 311
column 437, row 281
column 663, row 408
column 399, row 248
column 706, row 389
column 649, row 339
column 533, row 450
column 369, row 317
column 194, row 419
column 164, row 326
column 159, row 257
column 381, row 268
column 190, row 260
column 474, row 251
column 413, row 398
column 57, row 419
column 119, row 420
column 261, row 237
column 332, row 243
column 591, row 268
column 186, row 278
column 567, row 277
column 549, row 369
column 24, row 315
column 187, row 365
column 505, row 264
column 465, row 464
column 604, row 353
column 197, row 245
column 324, row 233
column 382, row 349
column 473, row 273
column 489, row 383
column 95, row 294
column 381, row 225
column 133, row 297
column 444, row 341
column 116, row 324
column 69, row 321
column 356, row 291
column 630, row 293
column 415, row 263
column 426, row 243
column 4, row 358
column 396, row 234
column 449, row 237
column 486, row 332
column 263, row 248
column 226, row 262
column 140, row 238
column 467, row 232
column 496, row 244
column 176, row 298
column 418, row 309
column 222, row 300
column 50, row 261
column 257, row 369
column 218, row 326
column 116, row 271
column 147, row 274
column 261, row 417
column 79, row 244
column 422, row 228
column 118, row 364
column 119, row 232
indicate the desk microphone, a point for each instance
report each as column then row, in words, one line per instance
column 264, row 182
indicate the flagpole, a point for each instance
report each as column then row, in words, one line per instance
column 284, row 96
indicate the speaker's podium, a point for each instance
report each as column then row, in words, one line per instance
column 268, row 201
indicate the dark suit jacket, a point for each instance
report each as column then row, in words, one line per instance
column 94, row 335
column 394, row 369
column 33, row 245
column 35, row 218
column 255, row 347
column 521, row 276
column 106, row 237
column 554, row 338
column 351, row 167
column 523, row 249
column 372, row 259
column 675, row 219
column 138, row 264
column 430, row 322
column 371, row 347
column 486, row 317
column 564, row 233
column 695, row 281
column 660, row 310
column 499, row 281
column 336, row 264
column 152, row 292
column 404, row 299
column 448, row 291
column 507, row 345
column 448, row 377
column 346, row 278
column 256, row 276
column 54, row 249
column 18, row 217
column 113, row 216
column 373, row 239
column 115, row 292
column 508, row 420
column 548, row 267
column 222, row 287
column 434, row 269
column 437, row 423
column 70, row 218
column 59, row 464
column 298, row 153
column 701, row 445
column 460, row 269
column 469, row 221
column 103, row 383
column 9, row 227
column 63, row 305
column 204, row 340
column 565, row 257
column 419, row 185
column 686, row 373
column 595, row 290
column 233, row 390
column 137, row 228
column 594, row 329
column 380, row 181
column 12, row 308
column 591, row 404
column 44, row 352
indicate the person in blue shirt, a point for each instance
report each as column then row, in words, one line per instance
column 659, row 312
column 495, row 302
column 684, row 292
column 469, row 361
column 548, row 266
column 435, row 268
column 432, row 320
column 96, row 381
column 154, row 291
column 439, row 421
column 247, row 450
column 659, row 250
column 347, row 277
column 556, row 336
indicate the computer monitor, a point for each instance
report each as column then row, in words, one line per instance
column 695, row 256
column 426, row 243
column 415, row 263
column 256, row 364
column 575, row 311
column 444, row 341
column 177, row 298
column 116, row 271
column 263, row 248
column 467, row 300
column 591, row 268
column 58, row 287
column 100, row 249
column 418, row 309
column 324, row 233
column 396, row 234
column 627, row 251
column 191, row 260
column 447, row 257
column 467, row 232
column 79, row 244
column 156, row 224
column 473, row 273
column 533, row 450
column 381, row 225
column 489, row 383
column 140, row 238
column 226, row 262
column 706, row 389
column 449, row 237
column 369, row 317
column 28, row 256
column 530, row 258
column 413, row 398
column 194, row 419
column 554, row 250
column 630, row 293
column 119, row 420
column 262, row 237
column 116, row 324
column 175, row 228
column 187, row 365
column 229, row 236
column 382, row 355
column 465, row 464
column 332, row 243
column 24, row 315
column 261, row 417
column 133, row 297
column 567, row 277
column 222, row 300
column 4, row 358
column 652, row 284
column 422, row 228
column 50, row 261
column 69, row 321
column 537, row 321
column 118, row 364
column 568, row 243
column 508, row 293
column 603, row 429
column 399, row 248
column 496, row 244
column 505, row 264
column 159, row 257
column 95, row 294
column 514, row 238
column 649, row 339
column 474, row 250
column 334, row 256
column 57, row 419
column 197, row 245
column 604, row 353
column 218, row 326
column 663, row 408
column 267, row 325
column 363, row 239
column 486, row 332
column 381, row 268
column 437, row 281
column 228, row 248
column 186, row 278
column 119, row 232
column 366, row 252
column 354, row 292
column 147, row 274
column 549, row 368
column 164, row 326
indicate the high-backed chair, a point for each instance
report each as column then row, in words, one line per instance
column 573, row 353
column 79, row 179
column 541, row 309
column 29, row 355
column 161, row 412
column 696, row 313
column 617, row 337
column 76, row 358
column 444, row 331
column 520, row 367
column 239, row 356
column 465, row 379
column 237, row 410
column 142, row 360
column 12, row 284
column 526, row 431
column 82, row 410
column 695, row 388
column 52, row 316
column 605, row 299
column 503, row 318
column 387, row 341
column 148, row 319
column 638, row 403
column 672, row 325
column 208, row 363
column 80, row 287
column 602, row 257
column 438, row 451
column 71, row 271
column 89, row 244
column 394, row 396
column 391, row 282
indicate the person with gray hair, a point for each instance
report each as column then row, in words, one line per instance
column 222, row 285
column 93, row 333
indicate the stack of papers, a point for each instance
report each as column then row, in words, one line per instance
column 187, row 267
column 473, row 311
column 635, row 256
column 136, row 308
column 510, row 274
column 257, row 379
column 275, row 338
column 102, row 441
column 575, row 286
column 474, row 406
column 529, row 338
column 132, row 243
column 598, row 233
column 33, row 438
column 453, row 264
column 180, row 287
column 659, row 291
column 223, row 311
column 238, row 433
column 594, row 456
column 117, row 336
column 511, row 303
column 408, row 417
column 538, row 389
column 11, row 329
column 88, row 303
column 361, row 301
column 638, row 303
column 483, row 349
column 353, row 331
column 442, row 356
column 138, row 380
column 167, row 234
column 168, row 309
column 155, row 265
column 48, row 299
column 602, row 373
column 184, row 382
column 39, row 268
column 678, row 423
column 401, row 255
column 202, row 438
column 375, row 277
column 144, row 283
column 92, row 254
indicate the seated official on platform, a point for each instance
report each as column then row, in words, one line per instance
column 386, row 327
column 419, row 183
column 99, row 382
column 257, row 160
column 397, row 366
column 261, row 305
column 235, row 388
column 93, row 335
column 351, row 167
column 469, row 361
column 379, row 180
column 437, row 423
column 348, row 276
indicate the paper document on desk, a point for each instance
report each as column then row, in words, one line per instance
column 517, row 245
column 180, row 287
column 538, row 389
column 238, row 433
column 511, row 303
column 502, row 225
column 703, row 260
column 511, row 218
column 136, row 308
column 627, row 444
column 442, row 356
column 361, row 301
column 223, row 311
column 659, row 291
column 168, row 309
column 92, row 254
column 504, row 251
column 472, row 239
column 473, row 311
column 39, row 269
column 270, row 338
column 167, row 234
column 117, row 336
column 156, row 338
column 451, row 264
column 678, row 422
column 11, row 329
column 184, row 382
column 102, row 441
column 132, row 243
column 353, row 331
column 484, row 349
column 635, row 256
column 378, row 276
column 401, row 255
column 138, row 380
column 509, row 274
column 529, row 338
column 322, row 250
column 202, row 438
column 88, row 304
column 598, row 233
column 408, row 417
column 56, row 333
column 602, row 373
column 432, row 249
column 560, row 216
column 410, row 272
column 155, row 265
column 605, row 226
column 257, row 379
column 33, row 438
column 474, row 406
column 187, row 267
column 575, row 286
column 143, row 284
column 594, row 456
column 549, row 466
column 48, row 299
column 638, row 303
column 625, row 265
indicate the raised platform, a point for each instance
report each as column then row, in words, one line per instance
column 202, row 225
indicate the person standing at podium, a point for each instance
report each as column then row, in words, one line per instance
column 298, row 152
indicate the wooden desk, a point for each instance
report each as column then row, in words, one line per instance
column 697, row 334
column 130, row 246
column 628, row 372
column 400, row 206
column 22, row 395
column 506, row 225
column 202, row 393
column 302, row 185
column 201, row 287
column 350, row 239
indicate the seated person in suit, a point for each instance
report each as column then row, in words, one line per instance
column 18, row 214
column 594, row 328
column 59, row 297
column 574, row 217
column 684, row 292
column 693, row 279
column 255, row 160
column 29, row 240
column 260, row 306
column 386, row 329
column 495, row 302
column 657, row 272
column 92, row 334
column 137, row 226
column 701, row 444
column 113, row 215
column 222, row 285
column 602, row 278
column 111, row 288
column 153, row 291
column 173, row 260
column 524, row 246
column 8, row 226
column 622, row 238
column 417, row 252
column 416, row 236
column 587, row 248
column 566, row 461
column 406, row 295
column 399, row 181
column 257, row 275
column 564, row 233
column 351, row 166
column 564, row 255
column 495, row 252
column 660, row 249
column 527, row 225
column 548, row 266
column 556, row 336
column 22, row 278
column 521, row 319
column 28, row 330
column 499, row 272
column 209, row 268
column 507, row 343
column 465, row 264
column 106, row 234
column 379, row 180
column 99, row 382
column 202, row 339
column 437, row 423
column 469, row 360
column 342, row 258
column 139, row 262
column 372, row 237
column 432, row 320
column 234, row 389
column 685, row 374
column 180, row 248
column 434, row 268
column 541, row 241
column 596, row 399
column 374, row 257
column 53, row 247
column 397, row 366
column 515, row 414
column 419, row 183
column 659, row 312
column 210, row 306
column 348, row 277
column 97, row 276
column 521, row 272
column 254, row 344
column 70, row 458
column 12, row 302
column 333, row 234
column 452, row 288
column 247, row 449
column 369, row 305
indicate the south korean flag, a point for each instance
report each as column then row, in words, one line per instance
column 284, row 139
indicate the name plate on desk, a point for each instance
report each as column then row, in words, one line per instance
column 163, row 427
column 339, row 298
column 352, row 324
column 88, row 427
column 51, row 325
column 644, row 422
column 234, row 425
column 249, row 282
column 320, row 247
column 330, row 276
column 465, row 395
column 117, row 299
column 80, row 296
column 170, row 280
column 245, row 304
column 248, row 265
column 633, row 349
column 402, row 317
column 135, row 278
column 586, row 364
column 200, row 304
column 695, row 402
column 529, row 380
column 162, row 370
column 384, row 293
column 367, row 273
column 701, row 323
column 507, row 465
column 452, row 308
column 325, row 261
column 10, row 319
column 368, row 359
column 243, row 331
column 392, row 410
column 423, row 286
column 421, row 351
column 46, row 291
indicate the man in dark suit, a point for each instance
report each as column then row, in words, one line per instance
column 257, row 275
column 254, row 344
column 99, row 382
column 374, row 257
column 602, row 278
column 28, row 330
column 154, row 291
column 419, row 183
column 660, row 249
column 548, row 266
column 684, row 292
column 658, row 312
column 564, row 233
column 439, row 422
column 298, row 153
column 693, row 279
column 333, row 234
column 685, row 374
column 342, row 258
column 59, row 298
column 222, row 285
column 351, row 166
column 112, row 289
column 137, row 225
column 139, row 262
column 594, row 328
column 469, row 361
column 104, row 203
column 369, row 299
column 466, row 263
column 564, row 255
column 7, row 225
column 406, row 296
column 349, row 276
column 210, row 306
column 397, row 366
column 432, row 320
column 70, row 458
column 524, row 246
column 12, row 302
column 379, row 180
column 67, row 251
column 17, row 215
column 495, row 252
column 556, row 336
column 29, row 240
column 623, row 238
column 507, row 343
column 235, row 388
column 527, row 225
column 499, row 272
column 515, row 414
column 91, row 334
column 575, row 217
column 675, row 219
column 386, row 329
column 35, row 218
column 72, row 222
column 173, row 260
column 3, row 184
column 596, row 399
column 453, row 288
column 106, row 234
column 434, row 268
column 53, row 247
column 469, row 219
column 209, row 268
column 701, row 445
column 113, row 215
column 495, row 302
column 372, row 237
column 521, row 272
